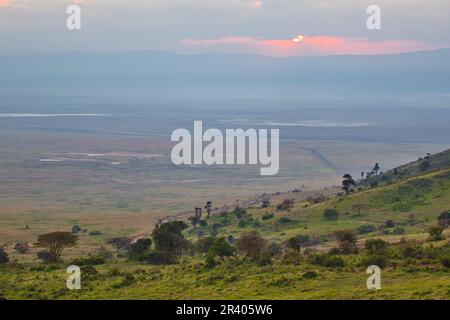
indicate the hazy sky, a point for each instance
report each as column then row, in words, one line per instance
column 257, row 26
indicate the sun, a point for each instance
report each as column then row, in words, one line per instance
column 298, row 38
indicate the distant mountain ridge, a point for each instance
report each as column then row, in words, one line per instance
column 226, row 74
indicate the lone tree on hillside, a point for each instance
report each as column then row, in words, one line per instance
column 55, row 243
column 376, row 168
column 251, row 244
column 348, row 182
column 169, row 239
column 208, row 208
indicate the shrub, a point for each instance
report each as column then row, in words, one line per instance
column 120, row 243
column 284, row 220
column 299, row 241
column 346, row 241
column 239, row 212
column 203, row 223
column 377, row 260
column 88, row 270
column 310, row 274
column 444, row 219
column 210, row 260
column 157, row 257
column 326, row 260
column 265, row 204
column 43, row 255
column 221, row 248
column 140, row 246
column 398, row 231
column 409, row 249
column 376, row 246
column 291, row 257
column 76, row 228
column 445, row 260
column 3, row 255
column 330, row 214
column 389, row 224
column 204, row 244
column 267, row 216
column 22, row 247
column 366, row 228
column 287, row 204
column 89, row 261
column 435, row 233
column 251, row 244
column 95, row 233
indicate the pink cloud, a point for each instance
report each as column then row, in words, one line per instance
column 4, row 3
column 314, row 45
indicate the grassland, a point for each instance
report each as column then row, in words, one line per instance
column 411, row 201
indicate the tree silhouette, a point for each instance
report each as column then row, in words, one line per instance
column 208, row 208
column 347, row 183
column 55, row 243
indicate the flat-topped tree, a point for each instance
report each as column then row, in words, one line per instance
column 55, row 243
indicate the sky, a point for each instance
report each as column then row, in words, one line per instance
column 266, row 27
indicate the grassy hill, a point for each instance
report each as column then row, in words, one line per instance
column 398, row 207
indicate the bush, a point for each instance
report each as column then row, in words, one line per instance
column 409, row 249
column 203, row 223
column 389, row 224
column 376, row 246
column 88, row 270
column 310, row 274
column 22, row 248
column 377, row 260
column 3, row 256
column 76, row 228
column 43, row 255
column 330, row 214
column 89, row 261
column 157, row 257
column 366, row 228
column 444, row 219
column 445, row 260
column 239, row 212
column 139, row 247
column 284, row 220
column 95, row 233
column 398, row 231
column 204, row 244
column 435, row 233
column 221, row 248
column 251, row 244
column 287, row 204
column 346, row 241
column 267, row 216
column 326, row 260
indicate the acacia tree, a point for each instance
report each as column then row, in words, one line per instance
column 208, row 208
column 348, row 182
column 55, row 243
